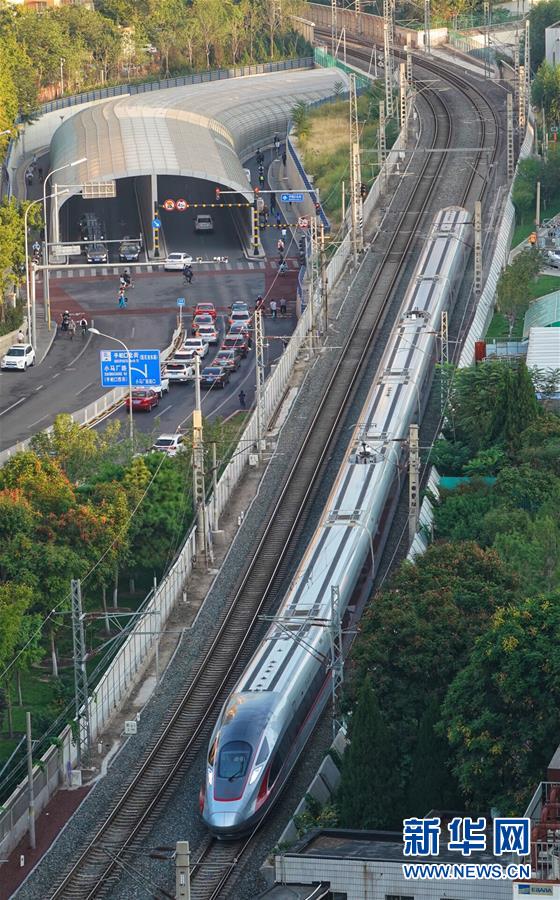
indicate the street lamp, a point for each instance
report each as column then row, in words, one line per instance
column 31, row 307
column 129, row 357
column 47, row 298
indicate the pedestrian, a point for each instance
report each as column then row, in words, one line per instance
column 280, row 259
column 283, row 307
column 123, row 300
column 284, row 159
column 242, row 399
column 276, row 146
column 260, row 303
column 280, row 245
column 71, row 329
column 40, row 172
column 278, row 219
column 284, row 234
column 273, row 308
column 249, row 341
column 20, row 337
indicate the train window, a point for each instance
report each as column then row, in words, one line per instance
column 263, row 753
column 234, row 760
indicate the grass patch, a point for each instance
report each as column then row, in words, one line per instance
column 544, row 284
column 498, row 330
column 325, row 149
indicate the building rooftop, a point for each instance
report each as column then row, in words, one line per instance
column 544, row 312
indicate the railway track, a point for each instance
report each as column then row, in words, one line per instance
column 188, row 724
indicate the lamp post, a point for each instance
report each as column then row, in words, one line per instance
column 31, row 307
column 129, row 357
column 76, row 162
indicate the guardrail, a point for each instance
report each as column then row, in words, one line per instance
column 55, row 766
column 485, row 306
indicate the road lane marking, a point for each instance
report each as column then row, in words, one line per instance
column 4, row 411
column 85, row 388
column 133, row 330
column 39, row 420
column 165, row 410
column 40, row 386
column 57, row 374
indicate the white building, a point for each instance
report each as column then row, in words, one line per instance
column 552, row 44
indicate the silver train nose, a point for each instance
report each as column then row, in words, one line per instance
column 223, row 822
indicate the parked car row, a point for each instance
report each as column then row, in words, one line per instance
column 181, row 367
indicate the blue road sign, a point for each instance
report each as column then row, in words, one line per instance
column 291, row 198
column 156, row 223
column 144, row 368
column 180, row 301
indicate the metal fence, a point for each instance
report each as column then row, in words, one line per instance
column 485, row 306
column 118, row 90
column 55, row 766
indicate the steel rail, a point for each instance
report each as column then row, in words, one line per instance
column 187, row 725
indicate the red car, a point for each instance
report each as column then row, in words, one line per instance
column 142, row 399
column 207, row 309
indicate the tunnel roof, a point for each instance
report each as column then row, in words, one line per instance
column 202, row 131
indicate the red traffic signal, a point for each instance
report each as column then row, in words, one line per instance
column 218, row 194
column 256, row 190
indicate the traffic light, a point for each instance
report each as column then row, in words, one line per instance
column 257, row 190
column 218, row 195
column 363, row 191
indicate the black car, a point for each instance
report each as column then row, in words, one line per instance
column 214, row 376
column 129, row 251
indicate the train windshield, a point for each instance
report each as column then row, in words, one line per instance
column 234, row 760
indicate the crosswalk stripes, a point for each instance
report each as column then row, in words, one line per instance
column 110, row 271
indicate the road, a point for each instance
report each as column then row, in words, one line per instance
column 69, row 377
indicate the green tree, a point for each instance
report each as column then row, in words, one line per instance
column 546, row 91
column 542, row 14
column 459, row 516
column 369, row 788
column 431, row 784
column 501, row 712
column 524, row 191
column 513, row 285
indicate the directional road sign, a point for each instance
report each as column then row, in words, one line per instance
column 180, row 301
column 144, row 368
column 156, row 223
column 66, row 249
column 291, row 198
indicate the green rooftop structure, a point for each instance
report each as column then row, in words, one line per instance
column 543, row 313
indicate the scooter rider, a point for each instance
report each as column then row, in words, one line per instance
column 65, row 320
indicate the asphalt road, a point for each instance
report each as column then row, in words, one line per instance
column 69, row 377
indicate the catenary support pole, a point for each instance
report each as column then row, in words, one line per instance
column 381, row 141
column 478, row 246
column 259, row 372
column 510, row 150
column 413, row 482
column 30, row 785
column 182, row 871
column 81, row 693
column 199, row 490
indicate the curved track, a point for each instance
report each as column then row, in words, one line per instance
column 187, row 726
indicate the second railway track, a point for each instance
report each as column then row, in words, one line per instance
column 187, row 726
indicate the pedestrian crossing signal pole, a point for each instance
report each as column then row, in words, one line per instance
column 199, row 490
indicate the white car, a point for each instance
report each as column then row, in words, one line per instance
column 169, row 444
column 176, row 261
column 179, row 372
column 204, row 223
column 208, row 334
column 163, row 387
column 195, row 345
column 553, row 259
column 20, row 356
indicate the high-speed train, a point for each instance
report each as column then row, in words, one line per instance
column 267, row 719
